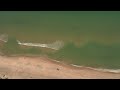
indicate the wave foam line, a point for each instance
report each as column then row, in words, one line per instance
column 100, row 69
column 56, row 45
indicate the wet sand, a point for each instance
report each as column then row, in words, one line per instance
column 31, row 67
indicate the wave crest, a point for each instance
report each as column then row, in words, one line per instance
column 56, row 45
column 99, row 69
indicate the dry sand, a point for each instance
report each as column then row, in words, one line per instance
column 24, row 67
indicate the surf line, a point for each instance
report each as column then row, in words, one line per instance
column 56, row 45
column 98, row 69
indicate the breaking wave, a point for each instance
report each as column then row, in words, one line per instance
column 99, row 69
column 56, row 45
column 4, row 37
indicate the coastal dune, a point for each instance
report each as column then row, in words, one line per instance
column 33, row 67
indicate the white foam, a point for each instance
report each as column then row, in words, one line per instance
column 56, row 45
column 100, row 69
column 4, row 37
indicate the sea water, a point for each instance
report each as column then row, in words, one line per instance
column 85, row 38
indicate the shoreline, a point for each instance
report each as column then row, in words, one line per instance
column 71, row 65
column 78, row 66
column 46, row 68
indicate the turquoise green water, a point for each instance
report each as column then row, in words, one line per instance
column 91, row 38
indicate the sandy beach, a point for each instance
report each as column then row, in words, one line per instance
column 28, row 67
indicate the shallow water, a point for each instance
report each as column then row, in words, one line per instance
column 90, row 38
